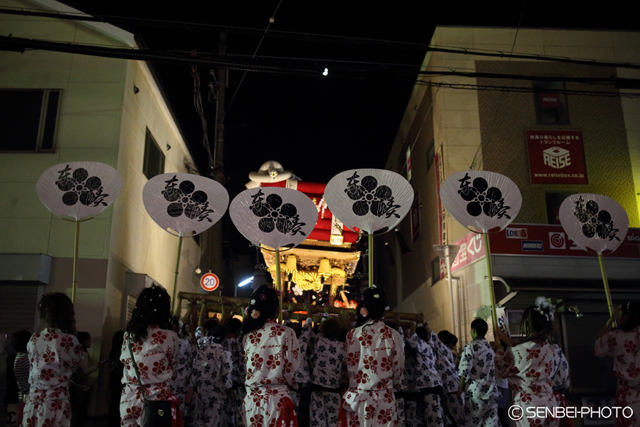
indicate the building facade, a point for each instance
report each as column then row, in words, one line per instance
column 556, row 119
column 86, row 108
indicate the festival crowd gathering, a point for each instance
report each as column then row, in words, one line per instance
column 260, row 373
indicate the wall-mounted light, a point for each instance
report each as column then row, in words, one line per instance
column 198, row 270
column 325, row 72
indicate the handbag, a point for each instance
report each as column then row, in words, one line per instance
column 157, row 413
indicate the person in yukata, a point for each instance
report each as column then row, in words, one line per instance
column 235, row 397
column 54, row 354
column 452, row 404
column 301, row 396
column 186, row 353
column 529, row 366
column 620, row 338
column 427, row 378
column 210, row 378
column 408, row 386
column 150, row 355
column 272, row 357
column 327, row 358
column 21, row 364
column 477, row 379
column 375, row 360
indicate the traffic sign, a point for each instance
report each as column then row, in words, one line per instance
column 209, row 282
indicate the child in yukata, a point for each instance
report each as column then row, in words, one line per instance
column 477, row 379
column 444, row 345
column 622, row 342
column 375, row 360
column 272, row 357
column 210, row 378
column 54, row 354
column 327, row 358
column 530, row 365
column 235, row 397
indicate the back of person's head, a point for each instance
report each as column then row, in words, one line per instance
column 373, row 306
column 448, row 338
column 234, row 325
column 56, row 311
column 422, row 333
column 216, row 331
column 537, row 320
column 330, row 328
column 153, row 308
column 83, row 338
column 20, row 339
column 480, row 327
column 629, row 316
column 297, row 328
column 263, row 306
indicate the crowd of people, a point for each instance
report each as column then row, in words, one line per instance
column 259, row 373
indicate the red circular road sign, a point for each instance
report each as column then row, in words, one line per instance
column 209, row 282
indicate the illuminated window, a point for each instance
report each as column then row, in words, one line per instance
column 29, row 120
column 153, row 157
column 551, row 102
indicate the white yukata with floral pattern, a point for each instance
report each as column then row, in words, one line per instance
column 446, row 367
column 477, row 366
column 427, row 376
column 375, row 360
column 180, row 381
column 156, row 358
column 210, row 379
column 529, row 368
column 303, row 375
column 624, row 348
column 53, row 356
column 327, row 359
column 272, row 357
column 233, row 408
column 560, row 378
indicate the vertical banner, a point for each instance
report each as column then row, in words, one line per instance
column 439, row 164
column 556, row 156
column 415, row 218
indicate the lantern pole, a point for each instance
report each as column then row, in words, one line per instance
column 279, row 283
column 370, row 260
column 494, row 315
column 606, row 286
column 175, row 278
column 74, row 280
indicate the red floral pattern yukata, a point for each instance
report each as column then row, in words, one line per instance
column 623, row 346
column 53, row 356
column 272, row 358
column 156, row 357
column 529, row 367
column 375, row 361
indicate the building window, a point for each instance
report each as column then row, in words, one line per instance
column 431, row 154
column 554, row 200
column 435, row 270
column 153, row 157
column 551, row 102
column 29, row 120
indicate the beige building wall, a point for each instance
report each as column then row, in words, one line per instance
column 101, row 119
column 465, row 135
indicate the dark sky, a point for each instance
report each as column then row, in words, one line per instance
column 317, row 126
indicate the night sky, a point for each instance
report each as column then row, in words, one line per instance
column 317, row 126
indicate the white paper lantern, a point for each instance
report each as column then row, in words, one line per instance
column 594, row 221
column 78, row 190
column 481, row 201
column 275, row 217
column 369, row 199
column 184, row 204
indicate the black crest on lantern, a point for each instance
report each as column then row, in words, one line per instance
column 276, row 215
column 78, row 186
column 595, row 222
column 370, row 197
column 482, row 198
column 185, row 199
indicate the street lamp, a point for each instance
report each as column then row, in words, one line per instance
column 448, row 253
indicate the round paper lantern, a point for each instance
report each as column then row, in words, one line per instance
column 481, row 201
column 369, row 199
column 78, row 190
column 594, row 221
column 184, row 204
column 275, row 217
